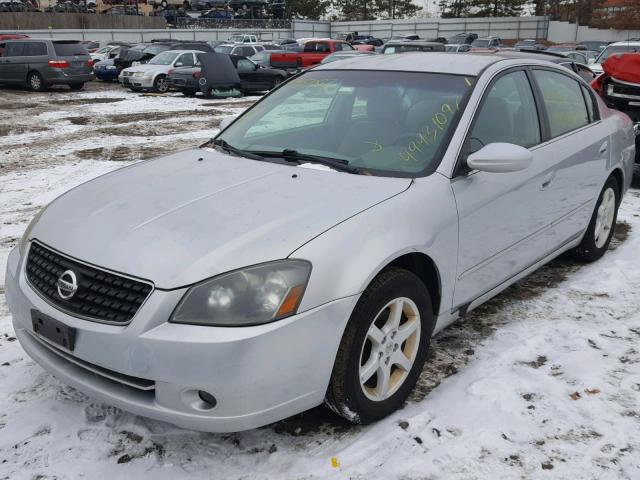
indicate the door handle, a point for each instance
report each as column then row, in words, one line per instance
column 548, row 180
column 604, row 147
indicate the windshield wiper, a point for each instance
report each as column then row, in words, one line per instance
column 218, row 142
column 291, row 155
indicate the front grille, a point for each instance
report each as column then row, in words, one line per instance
column 102, row 296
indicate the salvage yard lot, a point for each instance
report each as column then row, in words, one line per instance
column 541, row 382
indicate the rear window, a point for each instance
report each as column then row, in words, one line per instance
column 69, row 49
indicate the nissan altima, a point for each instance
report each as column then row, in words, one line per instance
column 308, row 252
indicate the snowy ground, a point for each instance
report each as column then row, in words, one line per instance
column 541, row 382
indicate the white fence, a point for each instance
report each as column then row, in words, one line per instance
column 571, row 32
column 146, row 35
column 506, row 28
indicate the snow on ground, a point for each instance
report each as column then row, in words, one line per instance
column 541, row 382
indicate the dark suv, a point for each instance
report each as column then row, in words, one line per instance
column 41, row 63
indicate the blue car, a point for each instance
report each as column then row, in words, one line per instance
column 105, row 70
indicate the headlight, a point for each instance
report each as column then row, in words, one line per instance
column 138, row 74
column 110, row 67
column 24, row 241
column 251, row 296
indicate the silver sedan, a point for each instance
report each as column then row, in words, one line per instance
column 310, row 251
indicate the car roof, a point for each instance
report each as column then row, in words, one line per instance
column 434, row 62
column 406, row 43
column 185, row 51
column 624, row 43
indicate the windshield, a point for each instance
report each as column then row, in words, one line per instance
column 223, row 49
column 385, row 123
column 164, row 58
column 480, row 43
column 607, row 52
column 156, row 49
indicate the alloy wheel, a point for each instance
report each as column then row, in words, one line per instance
column 604, row 218
column 390, row 348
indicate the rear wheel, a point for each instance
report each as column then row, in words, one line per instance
column 276, row 81
column 36, row 82
column 160, row 84
column 603, row 221
column 383, row 349
column 76, row 86
column 189, row 93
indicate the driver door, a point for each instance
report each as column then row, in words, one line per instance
column 504, row 218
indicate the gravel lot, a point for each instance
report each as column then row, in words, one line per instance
column 541, row 382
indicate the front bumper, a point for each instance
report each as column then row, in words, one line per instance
column 138, row 82
column 258, row 374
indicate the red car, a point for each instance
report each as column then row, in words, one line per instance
column 12, row 36
column 312, row 54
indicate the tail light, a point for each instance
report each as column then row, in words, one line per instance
column 196, row 75
column 58, row 64
column 89, row 63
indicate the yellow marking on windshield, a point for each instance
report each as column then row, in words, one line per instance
column 377, row 146
column 467, row 80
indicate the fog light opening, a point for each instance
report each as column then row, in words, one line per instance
column 208, row 400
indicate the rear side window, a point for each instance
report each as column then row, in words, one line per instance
column 592, row 107
column 14, row 49
column 186, row 59
column 69, row 49
column 563, row 100
column 34, row 49
column 508, row 114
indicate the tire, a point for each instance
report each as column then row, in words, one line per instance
column 360, row 357
column 76, row 86
column 35, row 82
column 160, row 84
column 603, row 221
column 276, row 81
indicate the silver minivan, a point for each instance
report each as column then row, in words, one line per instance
column 39, row 63
column 308, row 253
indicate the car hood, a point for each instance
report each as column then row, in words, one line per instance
column 146, row 68
column 189, row 216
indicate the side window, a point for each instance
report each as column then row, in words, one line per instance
column 310, row 46
column 34, row 49
column 563, row 101
column 508, row 114
column 247, row 51
column 14, row 49
column 346, row 46
column 592, row 106
column 185, row 59
column 244, row 66
column 323, row 48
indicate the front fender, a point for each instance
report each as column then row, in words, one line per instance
column 348, row 256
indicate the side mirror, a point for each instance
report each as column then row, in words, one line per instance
column 226, row 121
column 500, row 158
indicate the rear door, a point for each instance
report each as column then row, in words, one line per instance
column 75, row 53
column 36, row 57
column 579, row 141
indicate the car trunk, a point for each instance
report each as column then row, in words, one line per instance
column 75, row 54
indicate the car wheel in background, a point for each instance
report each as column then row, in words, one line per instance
column 35, row 82
column 276, row 81
column 160, row 84
column 603, row 221
column 383, row 349
column 76, row 86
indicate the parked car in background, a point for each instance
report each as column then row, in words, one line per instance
column 334, row 57
column 242, row 38
column 566, row 47
column 312, row 53
column 90, row 45
column 40, row 63
column 230, row 286
column 487, row 42
column 457, row 47
column 139, row 54
column 463, row 38
column 595, row 45
column 12, row 6
column 106, row 70
column 105, row 53
column 529, row 44
column 244, row 50
column 582, row 56
column 392, row 47
column 263, row 58
column 12, row 36
column 614, row 48
column 153, row 74
column 200, row 46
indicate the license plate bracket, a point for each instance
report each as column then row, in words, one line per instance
column 53, row 330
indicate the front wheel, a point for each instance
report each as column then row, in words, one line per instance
column 383, row 349
column 600, row 230
column 276, row 81
column 160, row 84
